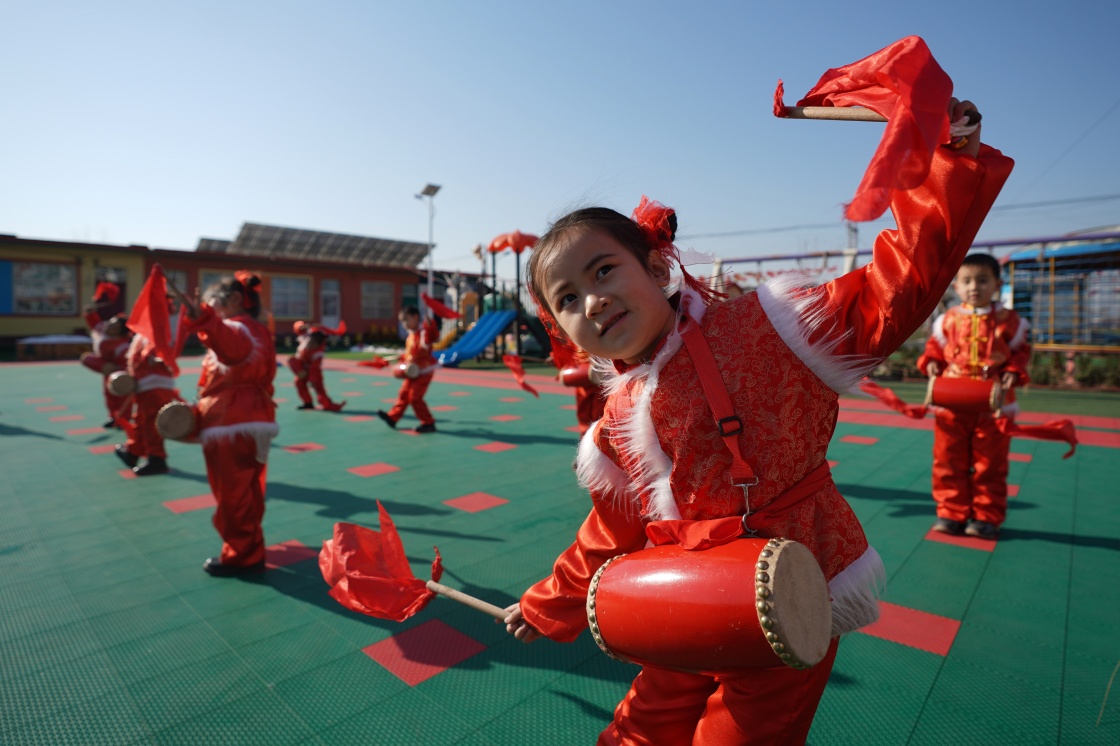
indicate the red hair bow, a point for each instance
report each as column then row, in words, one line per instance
column 246, row 278
column 656, row 222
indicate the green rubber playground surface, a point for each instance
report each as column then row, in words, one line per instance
column 110, row 633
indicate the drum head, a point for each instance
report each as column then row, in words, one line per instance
column 176, row 420
column 412, row 370
column 795, row 600
column 121, row 383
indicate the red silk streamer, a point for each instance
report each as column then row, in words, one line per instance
column 244, row 276
column 106, row 292
column 903, row 83
column 377, row 362
column 368, row 571
column 327, row 330
column 438, row 308
column 1062, row 430
column 513, row 362
column 151, row 319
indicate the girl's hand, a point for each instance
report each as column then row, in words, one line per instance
column 960, row 110
column 517, row 626
column 1008, row 380
column 190, row 306
column 932, row 369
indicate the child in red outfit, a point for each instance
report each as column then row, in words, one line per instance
column 977, row 340
column 155, row 387
column 782, row 354
column 307, row 364
column 236, row 416
column 418, row 352
column 110, row 342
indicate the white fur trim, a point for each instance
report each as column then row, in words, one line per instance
column 261, row 432
column 939, row 331
column 855, row 593
column 1020, row 335
column 796, row 319
column 151, row 383
column 598, row 474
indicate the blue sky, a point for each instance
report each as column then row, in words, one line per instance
column 160, row 123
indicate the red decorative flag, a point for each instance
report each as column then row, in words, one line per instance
column 368, row 571
column 904, row 83
column 438, row 308
column 150, row 317
column 889, row 398
column 377, row 362
column 106, row 292
column 513, row 362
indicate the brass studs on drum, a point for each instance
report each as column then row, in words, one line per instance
column 765, row 604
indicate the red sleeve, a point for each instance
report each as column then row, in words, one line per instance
column 92, row 319
column 881, row 304
column 933, row 353
column 556, row 606
column 229, row 343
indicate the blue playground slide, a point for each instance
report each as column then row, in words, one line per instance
column 471, row 344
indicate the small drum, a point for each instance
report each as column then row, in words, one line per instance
column 964, row 394
column 747, row 604
column 406, row 370
column 177, row 420
column 121, row 383
column 578, row 376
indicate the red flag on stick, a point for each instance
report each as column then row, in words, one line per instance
column 890, row 398
column 438, row 308
column 513, row 362
column 376, row 362
column 151, row 318
column 904, row 83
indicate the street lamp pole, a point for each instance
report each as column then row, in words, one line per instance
column 430, row 191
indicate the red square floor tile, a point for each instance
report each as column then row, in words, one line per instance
column 568, row 406
column 833, row 464
column 1012, row 490
column 505, row 417
column 287, row 553
column 51, row 408
column 389, row 401
column 98, row 450
column 85, row 431
column 187, row 504
column 378, row 383
column 39, row 400
column 359, row 418
column 420, row 653
column 286, row 385
column 280, row 400
column 190, row 371
column 352, row 394
column 495, row 447
column 1024, row 457
column 913, row 628
column 349, row 380
column 68, row 417
column 127, row 473
column 968, row 542
column 444, row 408
column 304, row 447
column 862, row 440
column 373, row 470
column 475, row 502
column 511, row 399
column 460, row 393
column 574, row 428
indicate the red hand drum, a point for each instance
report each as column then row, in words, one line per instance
column 177, row 420
column 964, row 394
column 121, row 383
column 406, row 370
column 747, row 604
column 577, row 376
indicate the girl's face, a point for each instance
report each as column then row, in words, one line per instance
column 229, row 307
column 412, row 323
column 605, row 299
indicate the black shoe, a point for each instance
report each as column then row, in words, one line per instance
column 982, row 530
column 388, row 420
column 128, row 459
column 428, row 428
column 946, row 526
column 306, row 406
column 155, row 465
column 110, row 424
column 213, row 566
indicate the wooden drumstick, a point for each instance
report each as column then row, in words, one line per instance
column 842, row 113
column 467, row 600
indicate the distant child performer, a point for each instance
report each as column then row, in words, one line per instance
column 307, row 364
column 417, row 350
column 155, row 387
column 110, row 342
column 977, row 339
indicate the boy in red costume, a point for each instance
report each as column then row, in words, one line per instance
column 981, row 341
column 236, row 417
column 307, row 364
column 781, row 355
column 417, row 351
column 155, row 387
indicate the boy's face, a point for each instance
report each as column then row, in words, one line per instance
column 976, row 285
column 411, row 322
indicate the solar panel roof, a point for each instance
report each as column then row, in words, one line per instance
column 277, row 242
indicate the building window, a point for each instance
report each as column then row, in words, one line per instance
column 377, row 300
column 291, row 297
column 44, row 289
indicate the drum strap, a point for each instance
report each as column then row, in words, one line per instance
column 719, row 401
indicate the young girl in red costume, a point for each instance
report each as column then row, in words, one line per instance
column 307, row 364
column 236, row 415
column 155, row 387
column 110, row 344
column 782, row 354
column 981, row 341
column 417, row 350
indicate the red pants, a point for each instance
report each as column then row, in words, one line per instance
column 970, row 467
column 144, row 439
column 412, row 393
column 237, row 481
column 113, row 403
column 316, row 382
column 774, row 706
